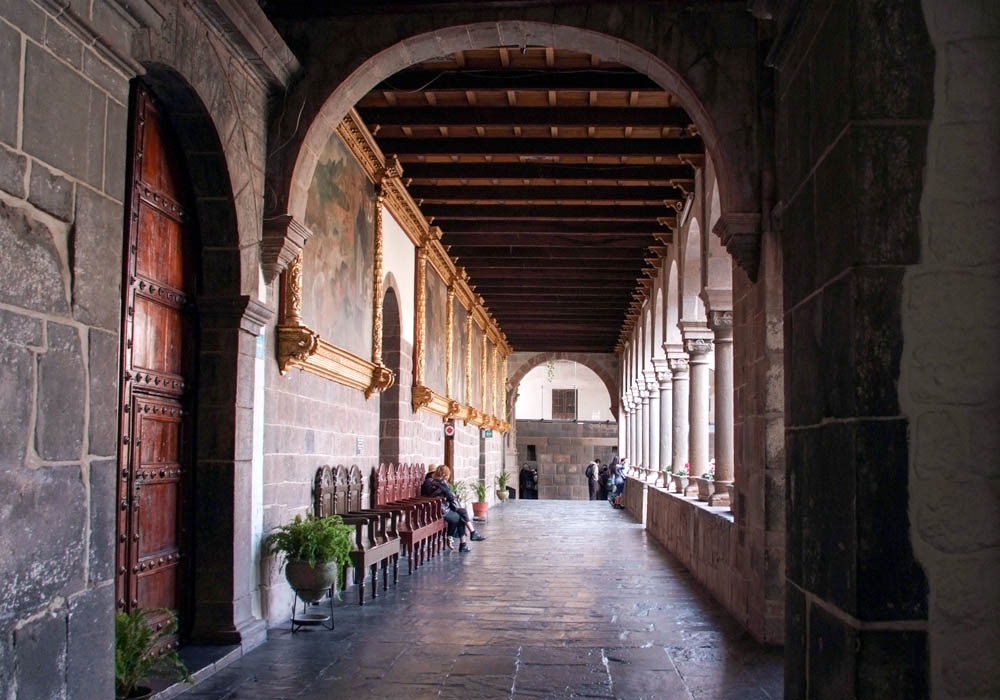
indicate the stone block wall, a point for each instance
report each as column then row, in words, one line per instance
column 705, row 541
column 759, row 432
column 949, row 383
column 563, row 450
column 63, row 109
column 854, row 97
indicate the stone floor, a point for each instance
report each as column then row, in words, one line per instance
column 565, row 599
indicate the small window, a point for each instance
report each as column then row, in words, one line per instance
column 531, row 454
column 564, row 404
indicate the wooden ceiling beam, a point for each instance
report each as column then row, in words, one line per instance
column 545, row 212
column 501, row 80
column 432, row 193
column 421, row 171
column 540, row 146
column 556, row 274
column 547, row 255
column 524, row 116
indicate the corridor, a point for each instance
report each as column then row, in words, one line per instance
column 564, row 599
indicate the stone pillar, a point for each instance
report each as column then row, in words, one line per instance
column 633, row 446
column 224, row 546
column 679, row 431
column 653, row 429
column 698, row 350
column 721, row 323
column 626, row 425
column 644, row 428
column 666, row 442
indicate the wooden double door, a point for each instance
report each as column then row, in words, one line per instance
column 159, row 353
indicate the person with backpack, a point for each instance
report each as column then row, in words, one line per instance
column 592, row 472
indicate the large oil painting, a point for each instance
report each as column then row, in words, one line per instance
column 435, row 340
column 458, row 354
column 337, row 262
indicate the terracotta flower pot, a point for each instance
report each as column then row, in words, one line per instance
column 479, row 509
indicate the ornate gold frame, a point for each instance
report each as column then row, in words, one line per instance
column 299, row 346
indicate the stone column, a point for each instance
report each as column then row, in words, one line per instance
column 698, row 350
column 666, row 442
column 644, row 428
column 722, row 325
column 679, row 430
column 633, row 447
column 653, row 390
column 626, row 425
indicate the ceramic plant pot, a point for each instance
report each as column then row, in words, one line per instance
column 310, row 583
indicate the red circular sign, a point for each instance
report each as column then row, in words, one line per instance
column 449, row 430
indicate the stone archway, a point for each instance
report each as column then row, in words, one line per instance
column 718, row 93
column 519, row 365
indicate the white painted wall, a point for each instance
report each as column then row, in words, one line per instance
column 400, row 258
column 534, row 399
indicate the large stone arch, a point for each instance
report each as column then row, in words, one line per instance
column 520, row 364
column 678, row 50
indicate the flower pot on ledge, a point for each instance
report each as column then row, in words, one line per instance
column 706, row 487
column 680, row 482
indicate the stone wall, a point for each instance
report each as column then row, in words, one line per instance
column 63, row 107
column 563, row 450
column 759, row 433
column 854, row 96
column 949, row 384
column 704, row 540
column 64, row 91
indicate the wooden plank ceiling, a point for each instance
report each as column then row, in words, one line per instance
column 555, row 176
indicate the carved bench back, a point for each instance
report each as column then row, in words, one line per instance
column 337, row 490
column 395, row 483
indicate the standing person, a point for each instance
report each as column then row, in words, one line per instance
column 602, row 479
column 608, row 482
column 593, row 469
column 619, row 481
column 528, row 482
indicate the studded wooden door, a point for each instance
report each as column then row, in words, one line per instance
column 158, row 352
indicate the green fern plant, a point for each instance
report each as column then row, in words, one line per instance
column 140, row 652
column 314, row 540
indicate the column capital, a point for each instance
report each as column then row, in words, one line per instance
column 651, row 383
column 698, row 348
column 678, row 367
column 662, row 368
column 721, row 323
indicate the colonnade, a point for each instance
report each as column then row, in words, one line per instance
column 665, row 407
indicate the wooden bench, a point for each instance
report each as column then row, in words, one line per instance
column 338, row 491
column 421, row 528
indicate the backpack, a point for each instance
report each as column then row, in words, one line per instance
column 590, row 471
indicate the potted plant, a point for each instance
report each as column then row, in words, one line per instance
column 315, row 551
column 706, row 483
column 502, row 482
column 141, row 651
column 461, row 491
column 480, row 505
column 680, row 479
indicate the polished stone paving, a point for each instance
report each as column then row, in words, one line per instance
column 565, row 599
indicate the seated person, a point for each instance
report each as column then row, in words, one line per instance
column 444, row 473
